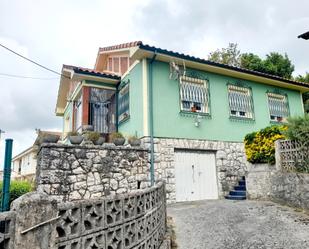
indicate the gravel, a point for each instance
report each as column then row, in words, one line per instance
column 227, row 224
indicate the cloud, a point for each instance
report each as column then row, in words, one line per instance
column 70, row 32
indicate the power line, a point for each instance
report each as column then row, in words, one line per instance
column 36, row 63
column 25, row 77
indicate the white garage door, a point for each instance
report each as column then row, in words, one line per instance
column 196, row 177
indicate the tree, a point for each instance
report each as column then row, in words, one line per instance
column 274, row 63
column 303, row 78
column 251, row 61
column 279, row 65
column 229, row 56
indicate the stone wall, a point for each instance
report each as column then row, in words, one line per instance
column 136, row 220
column 290, row 189
column 86, row 171
column 265, row 182
column 230, row 161
column 258, row 181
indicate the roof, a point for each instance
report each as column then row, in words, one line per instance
column 211, row 63
column 83, row 70
column 23, row 153
column 121, row 46
column 304, row 36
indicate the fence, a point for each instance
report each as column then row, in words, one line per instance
column 135, row 220
column 292, row 156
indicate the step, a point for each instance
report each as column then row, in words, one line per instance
column 241, row 188
column 242, row 183
column 236, row 198
column 238, row 193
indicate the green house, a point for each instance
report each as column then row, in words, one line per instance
column 192, row 113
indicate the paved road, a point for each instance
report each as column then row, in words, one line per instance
column 227, row 224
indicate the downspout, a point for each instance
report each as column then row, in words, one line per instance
column 150, row 94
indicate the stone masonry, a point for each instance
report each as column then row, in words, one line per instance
column 230, row 161
column 87, row 171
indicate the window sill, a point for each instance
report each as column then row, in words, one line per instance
column 277, row 122
column 242, row 119
column 194, row 114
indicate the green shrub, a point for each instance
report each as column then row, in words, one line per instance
column 17, row 189
column 298, row 129
column 260, row 145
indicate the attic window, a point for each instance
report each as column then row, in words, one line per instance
column 278, row 107
column 118, row 64
column 194, row 95
column 240, row 101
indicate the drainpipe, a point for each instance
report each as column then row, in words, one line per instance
column 150, row 94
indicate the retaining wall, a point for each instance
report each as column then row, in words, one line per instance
column 79, row 172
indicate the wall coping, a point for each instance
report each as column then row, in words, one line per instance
column 105, row 146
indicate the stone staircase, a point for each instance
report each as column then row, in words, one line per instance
column 239, row 192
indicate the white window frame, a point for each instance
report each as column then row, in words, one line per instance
column 240, row 106
column 284, row 108
column 119, row 63
column 194, row 95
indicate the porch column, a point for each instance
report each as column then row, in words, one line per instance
column 85, row 105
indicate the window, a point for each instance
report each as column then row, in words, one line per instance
column 194, row 95
column 278, row 107
column 118, row 64
column 78, row 113
column 102, row 109
column 240, row 101
column 123, row 103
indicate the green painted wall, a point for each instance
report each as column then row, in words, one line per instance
column 169, row 122
column 134, row 125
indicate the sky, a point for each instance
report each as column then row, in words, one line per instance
column 54, row 32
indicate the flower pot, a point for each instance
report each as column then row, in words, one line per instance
column 76, row 139
column 119, row 141
column 135, row 142
column 50, row 138
column 100, row 141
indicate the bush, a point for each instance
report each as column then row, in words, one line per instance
column 17, row 189
column 260, row 145
column 298, row 129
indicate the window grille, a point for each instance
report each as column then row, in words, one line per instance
column 194, row 95
column 240, row 101
column 123, row 103
column 78, row 113
column 278, row 107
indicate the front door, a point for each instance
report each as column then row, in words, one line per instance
column 196, row 177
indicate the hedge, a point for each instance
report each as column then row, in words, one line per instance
column 17, row 189
column 260, row 145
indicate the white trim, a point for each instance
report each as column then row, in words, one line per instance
column 302, row 102
column 145, row 98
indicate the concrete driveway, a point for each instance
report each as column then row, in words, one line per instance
column 224, row 224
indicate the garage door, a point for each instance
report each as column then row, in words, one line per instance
column 196, row 177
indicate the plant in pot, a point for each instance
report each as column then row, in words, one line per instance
column 75, row 137
column 49, row 138
column 94, row 137
column 134, row 141
column 117, row 138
